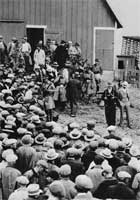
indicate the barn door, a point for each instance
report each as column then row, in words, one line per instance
column 9, row 30
column 104, row 48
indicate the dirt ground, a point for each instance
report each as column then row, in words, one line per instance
column 93, row 111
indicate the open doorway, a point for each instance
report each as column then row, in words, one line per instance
column 34, row 35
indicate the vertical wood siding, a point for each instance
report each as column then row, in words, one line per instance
column 74, row 19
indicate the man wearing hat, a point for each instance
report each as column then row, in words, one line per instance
column 26, row 50
column 83, row 186
column 110, row 101
column 21, row 193
column 38, row 173
column 34, row 191
column 122, row 190
column 124, row 100
column 61, row 54
column 89, row 154
column 73, row 88
column 73, row 158
column 9, row 176
column 3, row 50
column 65, row 171
column 95, row 173
column 26, row 154
column 97, row 70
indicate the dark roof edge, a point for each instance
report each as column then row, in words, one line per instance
column 119, row 25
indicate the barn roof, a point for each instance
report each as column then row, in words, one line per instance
column 119, row 25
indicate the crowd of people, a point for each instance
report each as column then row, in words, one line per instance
column 43, row 159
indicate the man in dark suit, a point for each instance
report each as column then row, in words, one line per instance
column 110, row 100
column 61, row 54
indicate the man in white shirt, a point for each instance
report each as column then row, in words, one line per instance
column 26, row 50
column 39, row 56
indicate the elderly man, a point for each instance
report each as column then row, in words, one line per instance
column 123, row 96
column 8, row 177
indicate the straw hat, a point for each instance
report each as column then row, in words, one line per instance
column 33, row 190
column 89, row 136
column 75, row 134
column 51, row 154
column 40, row 139
column 106, row 153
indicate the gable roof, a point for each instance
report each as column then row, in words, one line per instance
column 119, row 25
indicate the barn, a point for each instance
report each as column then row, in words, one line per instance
column 92, row 23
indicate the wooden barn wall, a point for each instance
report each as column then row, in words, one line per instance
column 70, row 19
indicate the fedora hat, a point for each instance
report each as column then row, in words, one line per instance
column 75, row 134
column 40, row 139
column 27, row 140
column 51, row 154
column 89, row 136
column 33, row 190
column 74, row 125
column 106, row 153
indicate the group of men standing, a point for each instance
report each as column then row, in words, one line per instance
column 116, row 97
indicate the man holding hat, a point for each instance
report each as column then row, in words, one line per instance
column 110, row 100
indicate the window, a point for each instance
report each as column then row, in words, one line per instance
column 120, row 64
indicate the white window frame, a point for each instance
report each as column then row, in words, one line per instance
column 44, row 27
column 94, row 41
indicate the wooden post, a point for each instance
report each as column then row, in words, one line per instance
column 126, row 70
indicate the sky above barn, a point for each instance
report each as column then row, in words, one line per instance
column 128, row 13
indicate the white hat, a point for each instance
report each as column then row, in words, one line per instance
column 123, row 175
column 7, row 152
column 111, row 128
column 83, row 182
column 51, row 154
column 89, row 136
column 134, row 151
column 106, row 153
column 22, row 180
column 75, row 134
column 33, row 190
column 74, row 125
column 11, row 158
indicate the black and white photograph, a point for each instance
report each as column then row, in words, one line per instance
column 69, row 100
